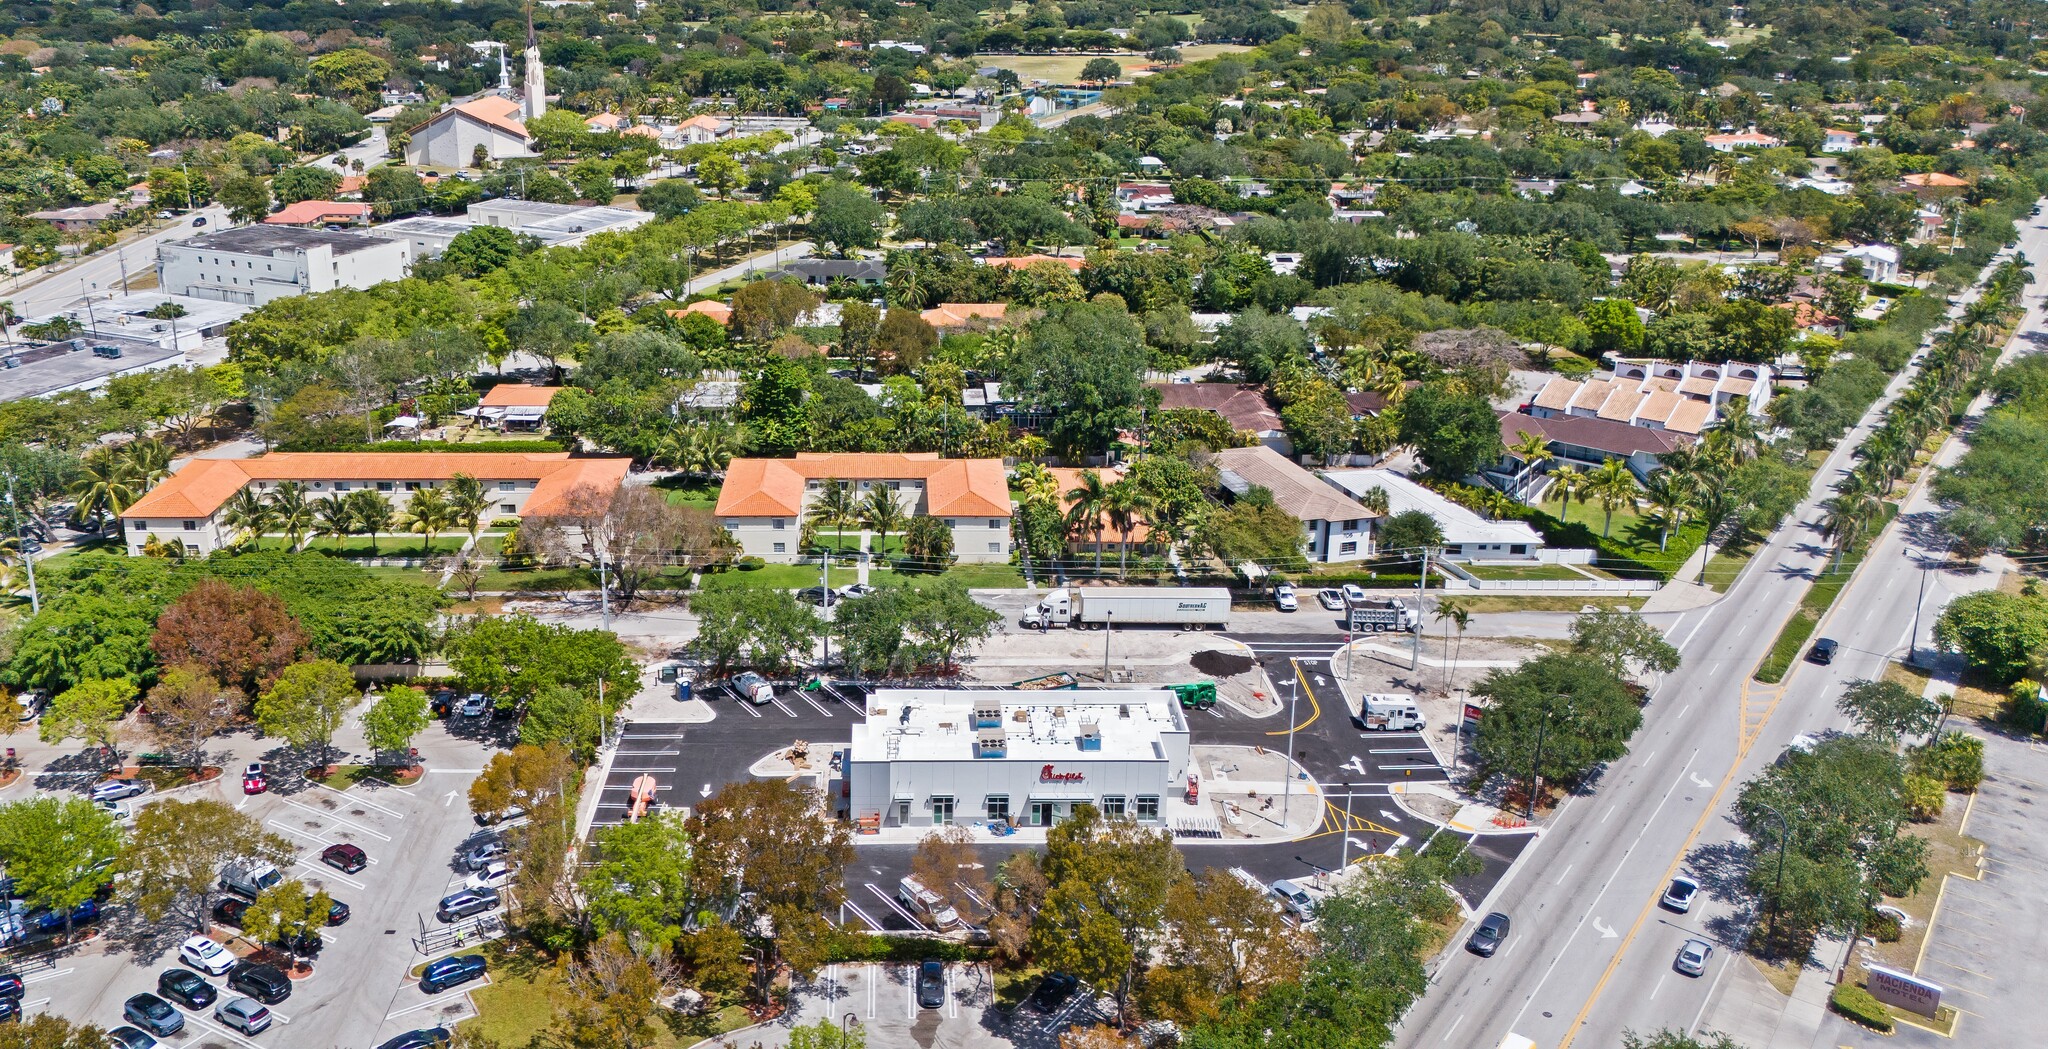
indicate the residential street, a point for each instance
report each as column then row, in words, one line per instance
column 100, row 275
column 1591, row 954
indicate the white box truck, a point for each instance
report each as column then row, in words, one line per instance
column 1095, row 607
column 1390, row 713
column 929, row 907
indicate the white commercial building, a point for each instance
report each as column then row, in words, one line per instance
column 553, row 225
column 1467, row 536
column 259, row 264
column 928, row 757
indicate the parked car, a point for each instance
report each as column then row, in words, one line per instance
column 494, row 875
column 337, row 912
column 246, row 1015
column 1823, row 651
column 153, row 1014
column 1693, row 956
column 1284, row 599
column 1353, row 593
column 448, row 972
column 254, row 779
column 856, row 590
column 119, row 790
column 11, row 986
column 206, row 956
column 265, row 983
column 823, row 597
column 346, row 858
column 1491, row 933
column 441, row 703
column 459, row 905
column 754, row 688
column 10, row 1010
column 1054, row 989
column 425, row 1038
column 1331, row 598
column 186, row 988
column 475, row 705
column 200, row 221
column 931, row 984
column 126, row 1037
column 1293, row 898
column 230, row 911
column 482, row 853
column 492, row 819
column 1679, row 896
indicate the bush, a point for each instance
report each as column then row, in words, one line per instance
column 1955, row 759
column 1883, row 927
column 1925, row 796
column 749, row 564
column 1860, row 1006
column 869, row 947
column 534, row 446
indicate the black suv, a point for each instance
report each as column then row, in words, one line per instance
column 265, row 983
column 447, row 972
column 185, row 987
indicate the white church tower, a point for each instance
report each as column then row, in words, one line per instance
column 536, row 89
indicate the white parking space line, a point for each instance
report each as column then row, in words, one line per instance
column 952, row 1001
column 778, row 705
column 456, row 772
column 894, row 906
column 50, row 975
column 443, row 998
column 298, row 832
column 643, row 768
column 869, row 972
column 910, row 996
column 871, row 924
column 363, row 801
column 751, row 709
column 815, row 705
column 350, row 824
column 325, row 871
column 30, row 1005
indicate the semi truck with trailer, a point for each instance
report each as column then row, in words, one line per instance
column 1099, row 607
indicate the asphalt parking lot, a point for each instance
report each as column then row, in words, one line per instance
column 359, row 993
column 883, row 1000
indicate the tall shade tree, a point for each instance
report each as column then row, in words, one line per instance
column 55, row 849
column 1110, row 879
column 240, row 635
column 90, row 710
column 307, row 705
column 188, row 707
column 640, row 885
column 395, row 719
column 1559, row 715
column 769, row 849
column 176, row 849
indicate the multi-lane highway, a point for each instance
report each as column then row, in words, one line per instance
column 1591, row 953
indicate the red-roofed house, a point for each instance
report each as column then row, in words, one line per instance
column 188, row 506
column 1073, row 262
column 313, row 213
column 515, row 405
column 449, row 139
column 711, row 308
column 763, row 501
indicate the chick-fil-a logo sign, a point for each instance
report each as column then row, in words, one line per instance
column 1047, row 775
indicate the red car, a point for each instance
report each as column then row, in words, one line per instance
column 253, row 779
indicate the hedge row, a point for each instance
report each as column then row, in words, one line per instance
column 871, row 947
column 538, row 445
column 1861, row 1007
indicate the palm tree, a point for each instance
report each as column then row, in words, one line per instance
column 706, row 450
column 1038, row 484
column 1843, row 520
column 372, row 513
column 1124, row 503
column 1739, row 429
column 1670, row 494
column 1569, row 481
column 427, row 513
column 1084, row 510
column 836, row 507
column 1613, row 486
column 1374, row 499
column 1533, row 449
column 467, row 503
column 148, row 459
column 1498, row 504
column 294, row 512
column 881, row 513
column 333, row 516
column 248, row 514
column 106, row 485
column 1451, row 613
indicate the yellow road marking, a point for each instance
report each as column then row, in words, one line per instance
column 1315, row 709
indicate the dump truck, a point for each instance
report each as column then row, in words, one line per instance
column 1381, row 614
column 1098, row 607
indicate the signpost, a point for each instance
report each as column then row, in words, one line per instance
column 1905, row 990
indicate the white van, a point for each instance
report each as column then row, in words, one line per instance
column 929, row 907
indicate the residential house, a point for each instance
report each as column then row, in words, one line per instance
column 1244, row 407
column 1467, row 535
column 449, row 139
column 1808, row 317
column 258, row 264
column 1575, row 441
column 1336, row 527
column 1143, row 196
column 1835, row 141
column 1109, row 540
column 1751, row 139
column 703, row 128
column 965, row 316
column 514, row 406
column 711, row 308
column 821, row 272
column 1581, row 119
column 7, row 257
column 80, row 219
column 1017, row 262
column 1880, row 262
column 188, row 505
column 1684, row 397
column 1933, row 185
column 763, row 501
column 311, row 214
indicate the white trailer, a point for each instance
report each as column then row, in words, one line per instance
column 1097, row 607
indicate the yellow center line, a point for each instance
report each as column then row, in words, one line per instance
column 1315, row 708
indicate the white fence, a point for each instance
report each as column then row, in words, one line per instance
column 1457, row 578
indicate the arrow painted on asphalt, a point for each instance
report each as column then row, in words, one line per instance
column 448, row 799
column 706, row 792
column 1321, row 680
column 1354, row 765
column 1391, row 818
column 1601, row 927
column 1698, row 782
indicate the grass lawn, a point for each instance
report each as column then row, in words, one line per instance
column 1726, row 564
column 1815, row 604
column 342, row 777
column 1628, row 547
column 1562, row 603
column 683, row 491
column 1013, row 986
column 545, row 579
column 1540, row 571
column 360, row 546
column 521, row 1000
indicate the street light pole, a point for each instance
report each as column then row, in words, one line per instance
column 1536, row 766
column 845, row 1041
column 1778, row 890
column 1107, row 629
column 28, row 560
column 1287, row 766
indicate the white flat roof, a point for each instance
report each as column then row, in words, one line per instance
column 1039, row 726
column 1460, row 525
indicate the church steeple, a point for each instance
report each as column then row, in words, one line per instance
column 535, row 91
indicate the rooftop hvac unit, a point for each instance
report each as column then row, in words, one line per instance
column 991, row 743
column 988, row 713
column 1091, row 736
column 109, row 352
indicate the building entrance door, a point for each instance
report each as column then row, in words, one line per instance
column 903, row 813
column 1044, row 813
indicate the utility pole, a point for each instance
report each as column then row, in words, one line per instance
column 91, row 318
column 604, row 589
column 1287, row 766
column 1459, row 746
column 35, row 602
column 1107, row 630
column 1536, row 765
column 1771, row 929
column 1421, row 598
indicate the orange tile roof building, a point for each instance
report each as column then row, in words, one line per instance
column 310, row 213
column 764, row 501
column 188, row 506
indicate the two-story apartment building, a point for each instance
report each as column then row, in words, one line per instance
column 1336, row 527
column 188, row 506
column 764, row 501
column 258, row 264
